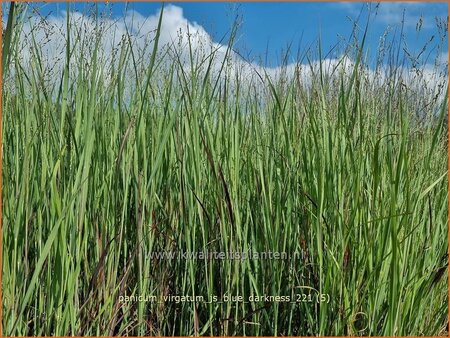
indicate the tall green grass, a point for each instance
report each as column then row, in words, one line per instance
column 341, row 171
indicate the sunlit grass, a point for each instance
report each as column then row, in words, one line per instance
column 343, row 173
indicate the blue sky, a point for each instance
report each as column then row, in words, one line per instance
column 268, row 28
column 271, row 27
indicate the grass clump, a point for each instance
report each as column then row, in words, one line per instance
column 161, row 150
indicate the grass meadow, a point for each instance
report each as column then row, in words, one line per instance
column 343, row 169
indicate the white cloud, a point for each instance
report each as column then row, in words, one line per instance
column 412, row 14
column 443, row 58
column 394, row 13
column 50, row 34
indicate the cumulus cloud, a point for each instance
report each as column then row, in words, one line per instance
column 443, row 58
column 180, row 39
column 412, row 14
